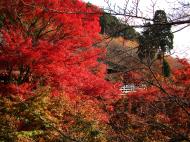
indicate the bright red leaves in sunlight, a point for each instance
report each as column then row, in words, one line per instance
column 51, row 43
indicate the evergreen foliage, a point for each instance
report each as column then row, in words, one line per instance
column 166, row 68
column 156, row 38
column 112, row 26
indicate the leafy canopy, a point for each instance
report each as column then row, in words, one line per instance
column 50, row 43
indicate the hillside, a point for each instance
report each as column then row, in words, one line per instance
column 122, row 57
column 114, row 27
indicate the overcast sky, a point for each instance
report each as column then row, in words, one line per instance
column 181, row 39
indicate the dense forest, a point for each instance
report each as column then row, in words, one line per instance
column 114, row 27
column 53, row 78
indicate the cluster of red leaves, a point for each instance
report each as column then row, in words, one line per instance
column 51, row 43
column 161, row 112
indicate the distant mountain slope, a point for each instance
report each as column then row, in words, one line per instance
column 121, row 57
column 122, row 47
column 114, row 27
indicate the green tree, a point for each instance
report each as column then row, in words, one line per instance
column 112, row 26
column 157, row 38
column 166, row 71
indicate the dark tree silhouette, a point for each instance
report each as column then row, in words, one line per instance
column 156, row 39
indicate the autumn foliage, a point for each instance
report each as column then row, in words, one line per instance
column 161, row 112
column 51, row 43
column 53, row 87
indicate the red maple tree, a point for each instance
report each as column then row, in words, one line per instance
column 50, row 43
column 160, row 112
